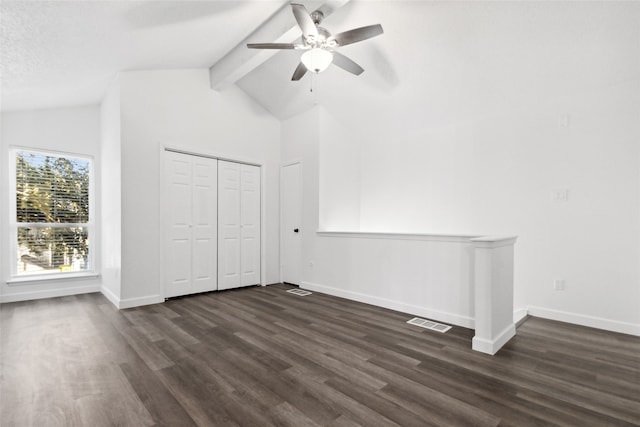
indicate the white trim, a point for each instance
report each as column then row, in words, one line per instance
column 397, row 236
column 519, row 315
column 162, row 222
column 263, row 225
column 139, row 301
column 492, row 346
column 130, row 302
column 110, row 296
column 49, row 293
column 39, row 279
column 585, row 320
column 493, row 242
column 440, row 316
column 90, row 225
column 198, row 152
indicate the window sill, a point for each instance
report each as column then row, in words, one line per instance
column 35, row 279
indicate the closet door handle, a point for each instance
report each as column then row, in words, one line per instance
column 295, row 230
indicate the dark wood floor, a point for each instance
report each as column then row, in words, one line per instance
column 261, row 356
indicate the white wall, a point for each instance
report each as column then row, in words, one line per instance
column 497, row 176
column 111, row 194
column 424, row 275
column 339, row 184
column 69, row 130
column 500, row 104
column 555, row 105
column 178, row 109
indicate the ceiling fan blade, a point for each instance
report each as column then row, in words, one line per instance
column 358, row 34
column 304, row 20
column 271, row 46
column 347, row 64
column 300, row 71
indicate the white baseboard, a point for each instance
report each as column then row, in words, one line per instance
column 584, row 320
column 440, row 316
column 492, row 346
column 49, row 293
column 468, row 322
column 113, row 298
column 519, row 315
column 137, row 302
column 130, row 302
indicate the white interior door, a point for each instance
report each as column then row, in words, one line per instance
column 228, row 225
column 204, row 224
column 177, row 275
column 250, row 225
column 291, row 218
column 191, row 185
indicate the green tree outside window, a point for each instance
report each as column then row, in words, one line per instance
column 52, row 212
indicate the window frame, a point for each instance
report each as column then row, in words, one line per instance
column 90, row 225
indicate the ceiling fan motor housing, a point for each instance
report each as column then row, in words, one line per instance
column 322, row 41
column 317, row 16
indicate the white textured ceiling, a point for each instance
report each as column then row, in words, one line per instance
column 59, row 53
column 443, row 60
column 451, row 61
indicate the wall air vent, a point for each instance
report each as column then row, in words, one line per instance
column 299, row 292
column 428, row 324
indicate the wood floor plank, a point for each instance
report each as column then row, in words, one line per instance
column 385, row 407
column 161, row 404
column 260, row 356
column 60, row 372
column 300, row 363
column 199, row 392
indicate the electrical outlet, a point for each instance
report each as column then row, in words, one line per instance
column 558, row 284
column 560, row 195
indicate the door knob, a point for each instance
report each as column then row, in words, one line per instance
column 295, row 230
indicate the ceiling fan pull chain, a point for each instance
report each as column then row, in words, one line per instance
column 314, row 82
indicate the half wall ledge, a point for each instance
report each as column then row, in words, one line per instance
column 493, row 285
column 466, row 280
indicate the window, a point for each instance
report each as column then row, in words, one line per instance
column 52, row 223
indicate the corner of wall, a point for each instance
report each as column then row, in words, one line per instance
column 111, row 193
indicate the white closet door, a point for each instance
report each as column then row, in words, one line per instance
column 178, row 210
column 191, row 210
column 228, row 225
column 205, row 224
column 250, row 225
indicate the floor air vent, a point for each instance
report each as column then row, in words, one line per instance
column 428, row 324
column 299, row 292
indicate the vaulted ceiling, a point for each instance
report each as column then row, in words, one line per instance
column 439, row 61
column 57, row 53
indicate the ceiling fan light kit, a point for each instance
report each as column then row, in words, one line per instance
column 317, row 60
column 319, row 45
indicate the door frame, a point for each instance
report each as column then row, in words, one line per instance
column 162, row 199
column 282, row 230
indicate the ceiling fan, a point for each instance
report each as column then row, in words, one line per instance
column 320, row 45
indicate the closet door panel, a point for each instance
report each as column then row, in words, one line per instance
column 205, row 224
column 228, row 225
column 250, row 225
column 178, row 175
